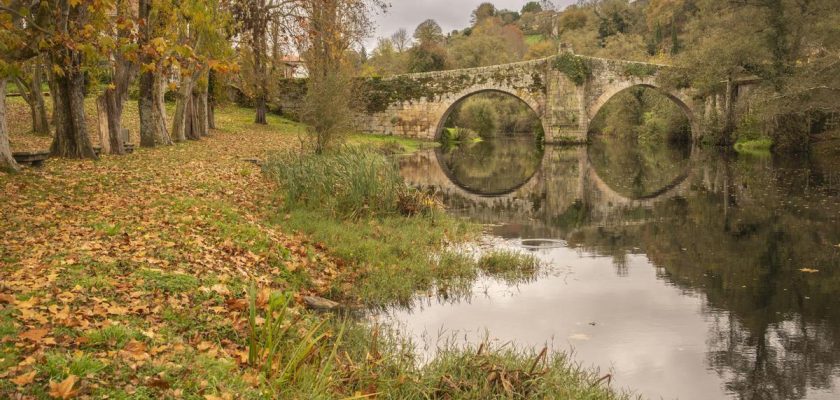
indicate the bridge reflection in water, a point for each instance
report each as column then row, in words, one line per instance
column 736, row 241
column 540, row 186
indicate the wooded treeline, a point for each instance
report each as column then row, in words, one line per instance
column 114, row 51
column 791, row 46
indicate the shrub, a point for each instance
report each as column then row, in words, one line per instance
column 457, row 135
column 479, row 114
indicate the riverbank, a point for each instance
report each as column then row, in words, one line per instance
column 173, row 272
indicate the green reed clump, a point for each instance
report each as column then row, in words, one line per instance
column 349, row 183
column 292, row 355
column 509, row 266
column 378, row 361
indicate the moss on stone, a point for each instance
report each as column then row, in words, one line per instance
column 639, row 70
column 578, row 69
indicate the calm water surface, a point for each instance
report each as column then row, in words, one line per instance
column 685, row 273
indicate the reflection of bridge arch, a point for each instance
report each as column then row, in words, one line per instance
column 439, row 156
column 449, row 104
column 679, row 98
column 426, row 169
column 677, row 187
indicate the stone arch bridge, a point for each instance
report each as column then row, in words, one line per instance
column 566, row 92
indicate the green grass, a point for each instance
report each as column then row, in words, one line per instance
column 7, row 325
column 509, row 266
column 350, row 183
column 387, row 253
column 758, row 147
column 391, row 257
column 356, row 203
column 58, row 366
column 533, row 39
column 466, row 372
column 458, row 135
column 390, row 144
column 167, row 282
column 113, row 336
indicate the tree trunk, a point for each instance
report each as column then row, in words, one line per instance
column 113, row 100
column 146, row 104
column 179, row 121
column 7, row 162
column 71, row 136
column 40, row 121
column 161, row 131
column 260, row 69
column 30, row 90
column 102, row 119
column 211, row 114
column 114, row 105
column 191, row 122
column 201, row 110
column 211, row 99
column 53, row 95
column 147, row 82
column 262, row 109
column 110, row 104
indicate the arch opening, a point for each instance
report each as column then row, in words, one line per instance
column 491, row 142
column 640, row 142
column 492, row 94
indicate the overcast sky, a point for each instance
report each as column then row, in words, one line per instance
column 450, row 14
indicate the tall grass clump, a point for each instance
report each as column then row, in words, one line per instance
column 350, row 183
column 382, row 362
column 292, row 355
column 510, row 266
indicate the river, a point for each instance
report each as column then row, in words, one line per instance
column 683, row 272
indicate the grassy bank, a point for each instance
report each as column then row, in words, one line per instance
column 355, row 202
column 395, row 242
column 177, row 272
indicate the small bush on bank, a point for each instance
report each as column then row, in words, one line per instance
column 457, row 135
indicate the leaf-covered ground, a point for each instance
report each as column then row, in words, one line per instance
column 124, row 277
column 135, row 277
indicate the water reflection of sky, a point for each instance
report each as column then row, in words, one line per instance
column 617, row 323
column 697, row 296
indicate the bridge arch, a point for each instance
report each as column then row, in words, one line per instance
column 682, row 101
column 449, row 106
